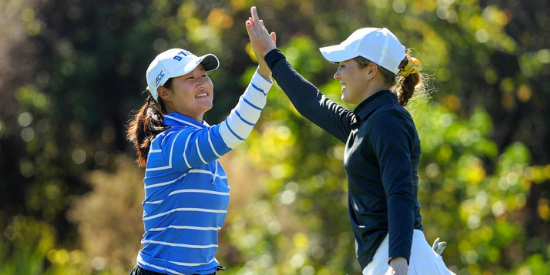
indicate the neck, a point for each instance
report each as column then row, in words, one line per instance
column 373, row 89
column 197, row 117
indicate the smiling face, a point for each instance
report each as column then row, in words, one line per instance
column 354, row 81
column 191, row 94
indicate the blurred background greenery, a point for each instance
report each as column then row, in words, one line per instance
column 73, row 70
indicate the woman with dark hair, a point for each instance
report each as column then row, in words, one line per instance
column 382, row 145
column 186, row 188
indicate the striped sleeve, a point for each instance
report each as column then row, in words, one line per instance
column 244, row 116
column 192, row 146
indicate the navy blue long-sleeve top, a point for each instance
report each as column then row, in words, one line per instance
column 381, row 158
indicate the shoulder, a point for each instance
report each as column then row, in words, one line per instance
column 390, row 122
column 171, row 133
column 388, row 115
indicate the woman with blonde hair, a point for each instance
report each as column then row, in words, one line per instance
column 382, row 145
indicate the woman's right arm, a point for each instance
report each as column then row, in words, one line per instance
column 307, row 99
column 194, row 145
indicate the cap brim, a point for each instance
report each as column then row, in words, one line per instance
column 337, row 53
column 209, row 62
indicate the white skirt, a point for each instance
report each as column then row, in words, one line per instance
column 423, row 260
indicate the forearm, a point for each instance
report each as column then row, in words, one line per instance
column 301, row 92
column 264, row 71
column 400, row 226
column 238, row 125
column 307, row 99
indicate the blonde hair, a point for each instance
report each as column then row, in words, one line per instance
column 409, row 84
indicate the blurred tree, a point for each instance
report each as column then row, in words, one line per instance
column 74, row 71
column 109, row 217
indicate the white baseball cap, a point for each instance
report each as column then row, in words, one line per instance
column 380, row 46
column 173, row 63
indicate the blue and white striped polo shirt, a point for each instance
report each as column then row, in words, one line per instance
column 186, row 190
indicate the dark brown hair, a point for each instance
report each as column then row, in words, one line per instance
column 146, row 124
column 407, row 85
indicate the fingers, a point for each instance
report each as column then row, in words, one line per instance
column 251, row 25
column 262, row 41
column 250, row 29
column 264, row 28
column 256, row 22
column 274, row 39
column 254, row 13
column 255, row 19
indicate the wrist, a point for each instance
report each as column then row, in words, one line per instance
column 264, row 72
column 267, row 51
column 399, row 260
column 273, row 57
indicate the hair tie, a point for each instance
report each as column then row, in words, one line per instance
column 413, row 66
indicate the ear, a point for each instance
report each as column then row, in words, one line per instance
column 372, row 70
column 163, row 93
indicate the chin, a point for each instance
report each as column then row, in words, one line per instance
column 346, row 99
column 208, row 107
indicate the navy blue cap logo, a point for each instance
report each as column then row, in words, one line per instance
column 184, row 53
column 159, row 77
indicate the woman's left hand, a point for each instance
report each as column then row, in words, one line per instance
column 398, row 266
column 262, row 42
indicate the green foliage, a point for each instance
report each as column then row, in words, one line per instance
column 75, row 72
column 474, row 210
column 31, row 241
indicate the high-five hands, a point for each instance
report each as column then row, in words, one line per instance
column 262, row 41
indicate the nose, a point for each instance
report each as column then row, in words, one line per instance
column 201, row 81
column 337, row 74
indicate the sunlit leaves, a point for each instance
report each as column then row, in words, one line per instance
column 473, row 192
column 456, row 151
column 304, row 55
column 32, row 240
column 533, row 63
column 30, row 97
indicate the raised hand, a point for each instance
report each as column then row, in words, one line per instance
column 262, row 41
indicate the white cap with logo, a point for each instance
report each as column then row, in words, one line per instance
column 174, row 63
column 380, row 46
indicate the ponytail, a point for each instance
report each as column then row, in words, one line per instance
column 144, row 126
column 410, row 77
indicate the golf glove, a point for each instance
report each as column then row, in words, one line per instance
column 438, row 246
